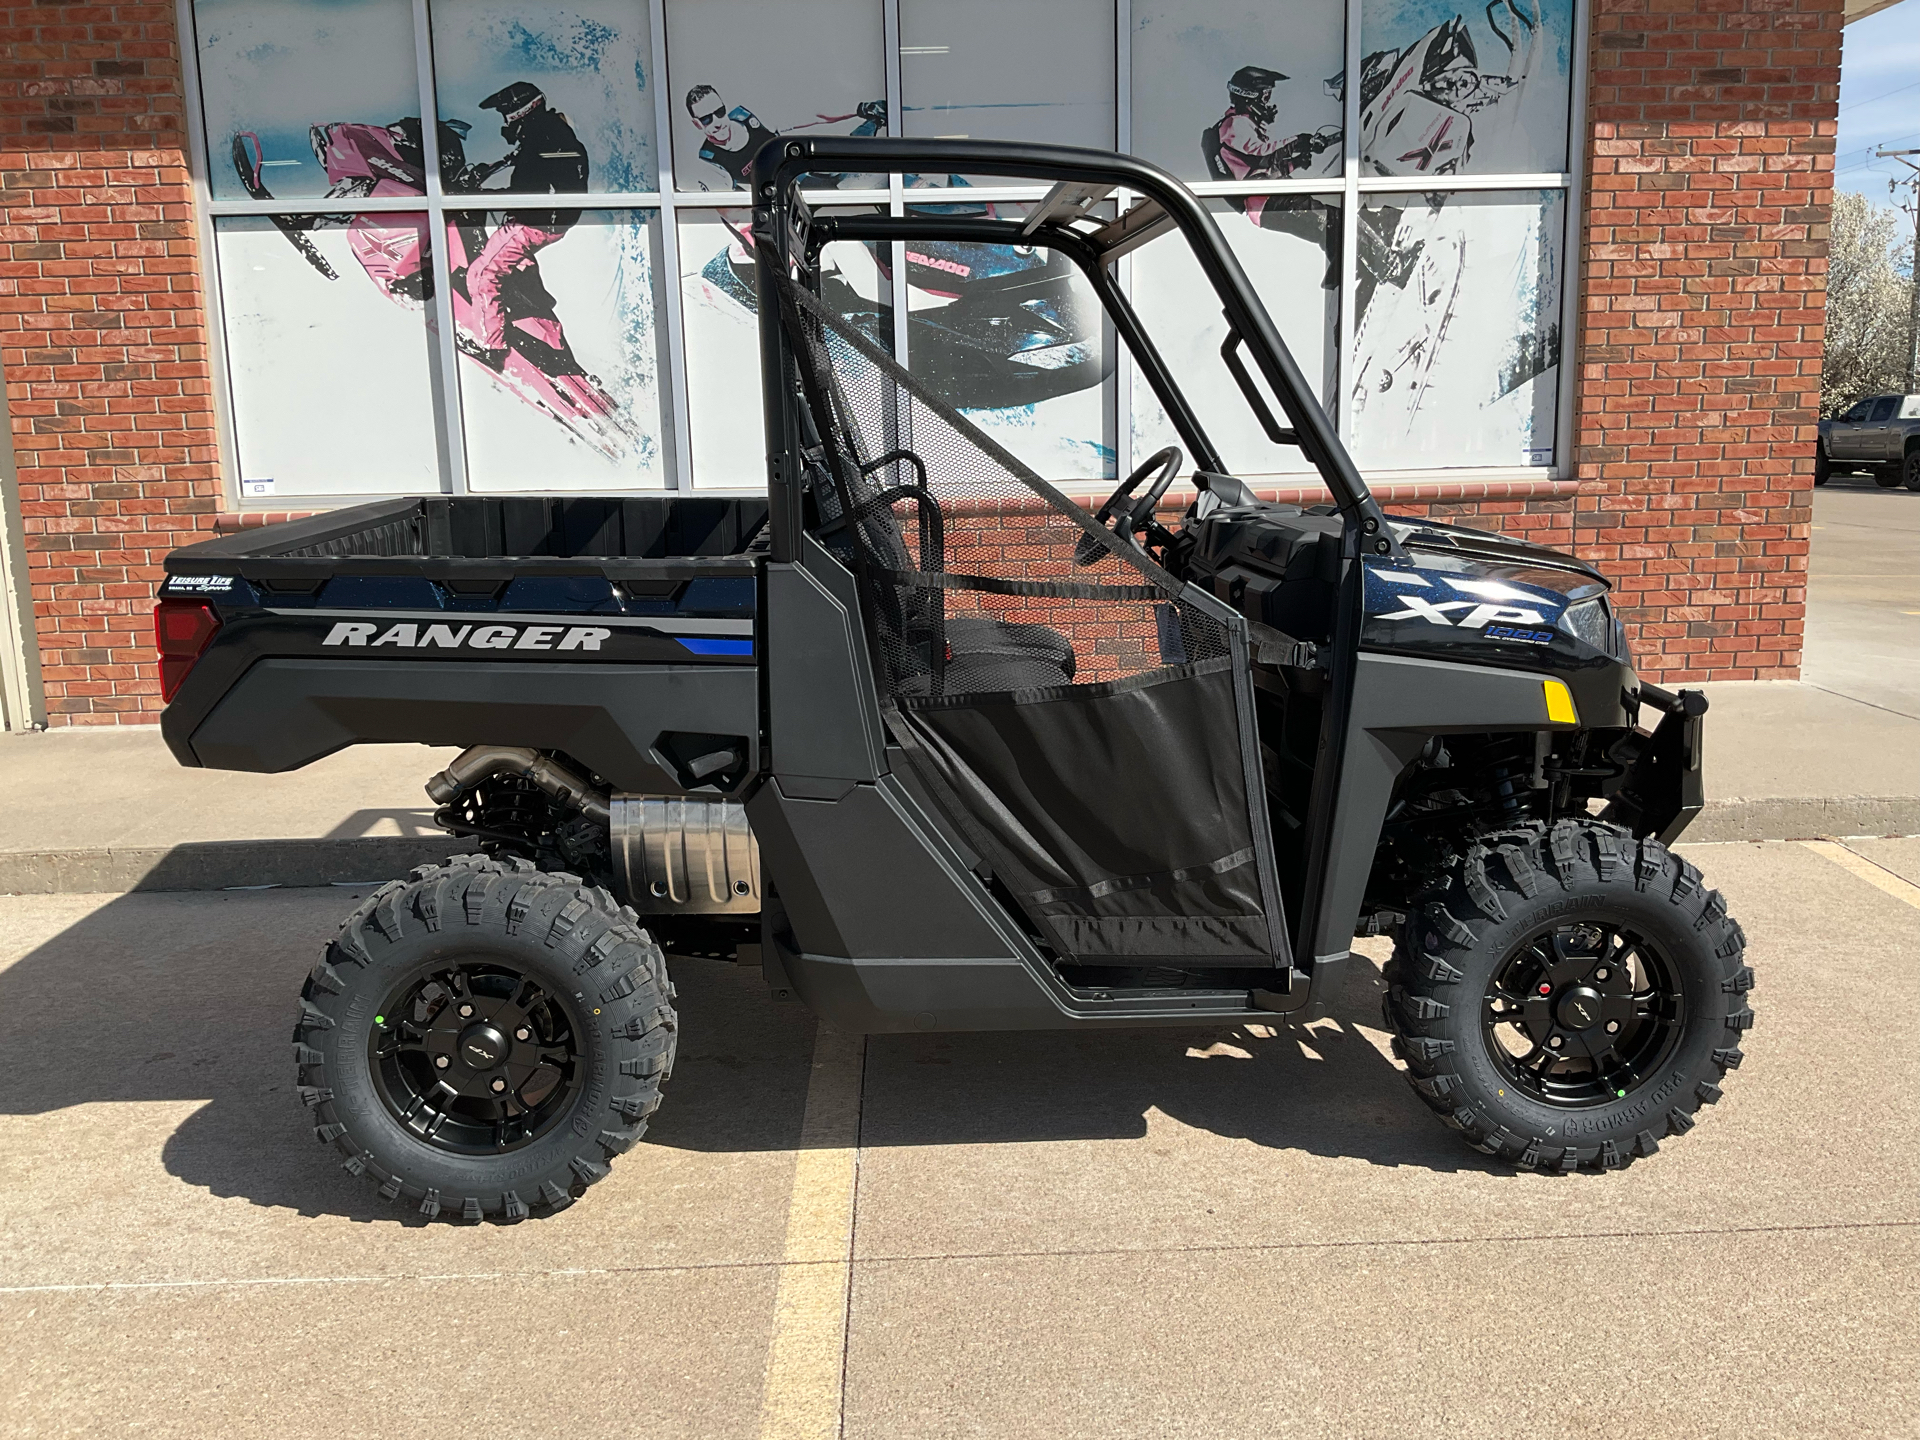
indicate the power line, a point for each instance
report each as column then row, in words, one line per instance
column 1876, row 99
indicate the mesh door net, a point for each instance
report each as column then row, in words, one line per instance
column 1078, row 721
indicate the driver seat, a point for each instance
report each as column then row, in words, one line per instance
column 982, row 653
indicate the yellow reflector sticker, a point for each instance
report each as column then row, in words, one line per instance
column 1560, row 703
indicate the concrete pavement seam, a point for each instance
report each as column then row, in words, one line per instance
column 1410, row 1242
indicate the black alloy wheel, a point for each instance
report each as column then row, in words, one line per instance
column 483, row 1039
column 1910, row 469
column 475, row 1058
column 1582, row 1014
column 1570, row 996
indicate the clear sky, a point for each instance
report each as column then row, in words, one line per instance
column 1879, row 98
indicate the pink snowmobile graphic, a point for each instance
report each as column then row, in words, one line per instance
column 537, row 366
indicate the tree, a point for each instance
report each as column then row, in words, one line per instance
column 1867, row 297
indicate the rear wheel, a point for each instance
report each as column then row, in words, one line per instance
column 482, row 1038
column 1571, row 998
column 1910, row 469
column 1822, row 467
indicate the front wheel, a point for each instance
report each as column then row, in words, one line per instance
column 1571, row 998
column 481, row 1039
column 1822, row 467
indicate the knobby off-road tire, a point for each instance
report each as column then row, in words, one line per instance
column 549, row 974
column 1521, row 917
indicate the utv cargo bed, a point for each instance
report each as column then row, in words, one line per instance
column 626, row 624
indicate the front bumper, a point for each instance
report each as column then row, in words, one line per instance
column 1663, row 788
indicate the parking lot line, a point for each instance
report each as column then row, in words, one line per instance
column 1873, row 874
column 806, row 1358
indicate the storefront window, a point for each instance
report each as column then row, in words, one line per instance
column 569, row 399
column 1460, row 90
column 331, row 367
column 1456, row 345
column 1290, row 246
column 499, row 64
column 1008, row 70
column 270, row 70
column 555, row 346
column 1228, row 90
column 743, row 69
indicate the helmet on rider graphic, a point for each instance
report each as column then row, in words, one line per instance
column 1251, row 91
column 514, row 102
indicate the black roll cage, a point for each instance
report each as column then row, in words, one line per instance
column 783, row 220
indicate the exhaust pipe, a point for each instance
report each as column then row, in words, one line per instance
column 484, row 761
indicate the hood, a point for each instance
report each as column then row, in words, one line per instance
column 1472, row 595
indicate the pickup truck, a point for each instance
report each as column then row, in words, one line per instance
column 939, row 748
column 1880, row 435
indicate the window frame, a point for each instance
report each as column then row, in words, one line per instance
column 671, row 202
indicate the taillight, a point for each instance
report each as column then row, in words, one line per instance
column 182, row 630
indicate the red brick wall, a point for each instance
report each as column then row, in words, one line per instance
column 102, row 338
column 1704, row 285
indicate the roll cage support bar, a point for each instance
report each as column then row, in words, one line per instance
column 1081, row 178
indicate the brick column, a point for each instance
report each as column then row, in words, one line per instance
column 102, row 338
column 1704, row 302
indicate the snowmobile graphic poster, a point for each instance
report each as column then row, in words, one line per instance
column 1456, row 341
column 1238, row 91
column 553, row 308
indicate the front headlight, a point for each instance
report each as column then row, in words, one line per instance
column 1592, row 621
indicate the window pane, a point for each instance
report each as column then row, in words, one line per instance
column 1228, row 90
column 590, row 63
column 331, row 368
column 1290, row 247
column 1476, row 91
column 560, row 382
column 743, row 69
column 1456, row 346
column 1014, row 338
column 721, row 315
column 269, row 69
column 1008, row 70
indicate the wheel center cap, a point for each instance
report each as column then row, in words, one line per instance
column 482, row 1047
column 1580, row 1007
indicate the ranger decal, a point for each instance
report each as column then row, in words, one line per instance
column 409, row 636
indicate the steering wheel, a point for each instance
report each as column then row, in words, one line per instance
column 1129, row 518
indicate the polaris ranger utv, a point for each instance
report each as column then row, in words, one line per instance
column 939, row 749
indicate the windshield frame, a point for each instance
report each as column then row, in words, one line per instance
column 783, row 220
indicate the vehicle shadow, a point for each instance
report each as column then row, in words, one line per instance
column 412, row 822
column 191, row 997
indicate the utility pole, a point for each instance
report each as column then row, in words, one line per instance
column 1912, row 207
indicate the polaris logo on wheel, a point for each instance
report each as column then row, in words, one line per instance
column 408, row 636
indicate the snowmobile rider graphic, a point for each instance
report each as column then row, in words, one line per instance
column 1241, row 145
column 547, row 159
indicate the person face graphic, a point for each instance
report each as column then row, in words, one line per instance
column 710, row 114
